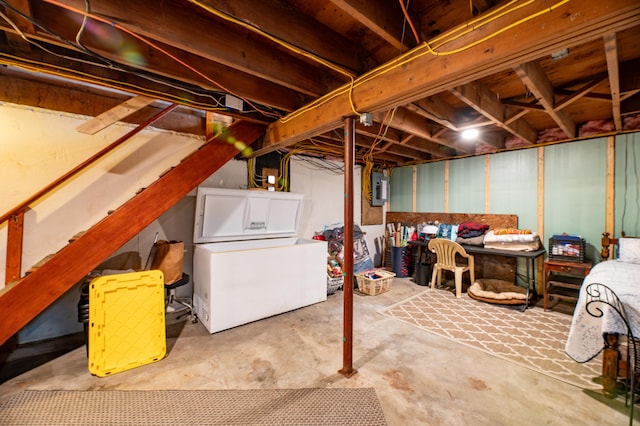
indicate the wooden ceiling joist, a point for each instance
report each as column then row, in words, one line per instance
column 384, row 19
column 611, row 53
column 386, row 87
column 534, row 77
column 487, row 103
column 114, row 115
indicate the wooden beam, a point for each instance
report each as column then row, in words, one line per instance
column 25, row 26
column 611, row 53
column 436, row 110
column 580, row 92
column 415, row 150
column 382, row 18
column 258, row 90
column 419, row 74
column 481, row 5
column 114, row 115
column 629, row 77
column 179, row 27
column 24, row 89
column 524, row 105
column 300, row 30
column 487, row 103
column 631, row 105
column 514, row 117
column 413, row 123
column 532, row 74
column 379, row 130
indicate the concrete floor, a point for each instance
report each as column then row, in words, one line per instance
column 420, row 378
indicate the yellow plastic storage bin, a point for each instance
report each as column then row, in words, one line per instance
column 126, row 321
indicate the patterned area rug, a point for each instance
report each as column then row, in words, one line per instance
column 534, row 339
column 338, row 406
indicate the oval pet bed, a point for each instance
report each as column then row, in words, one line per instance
column 497, row 291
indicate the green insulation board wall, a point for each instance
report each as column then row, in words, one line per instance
column 401, row 192
column 575, row 191
column 467, row 185
column 513, row 186
column 627, row 185
column 430, row 187
column 574, row 188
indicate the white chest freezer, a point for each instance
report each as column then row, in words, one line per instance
column 248, row 263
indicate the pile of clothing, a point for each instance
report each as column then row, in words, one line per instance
column 471, row 233
column 335, row 245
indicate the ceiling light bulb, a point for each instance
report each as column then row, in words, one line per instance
column 470, row 134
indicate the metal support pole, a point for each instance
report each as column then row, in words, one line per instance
column 349, row 160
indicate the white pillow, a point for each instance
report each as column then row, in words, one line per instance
column 629, row 249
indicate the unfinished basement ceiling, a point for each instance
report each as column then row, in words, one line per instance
column 420, row 71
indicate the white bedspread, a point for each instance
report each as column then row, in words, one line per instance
column 585, row 336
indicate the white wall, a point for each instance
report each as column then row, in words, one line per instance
column 37, row 146
column 324, row 200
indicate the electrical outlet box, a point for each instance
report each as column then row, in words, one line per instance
column 232, row 102
column 366, row 118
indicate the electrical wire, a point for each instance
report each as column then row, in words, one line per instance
column 159, row 49
column 18, row 62
column 46, row 30
column 23, row 36
column 321, row 164
column 87, row 7
column 408, row 19
column 33, row 66
column 367, row 158
column 284, row 44
column 425, row 49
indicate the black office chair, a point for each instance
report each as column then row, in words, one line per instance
column 598, row 294
column 185, row 302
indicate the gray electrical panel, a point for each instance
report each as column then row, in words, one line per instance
column 379, row 189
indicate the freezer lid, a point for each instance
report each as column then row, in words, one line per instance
column 236, row 214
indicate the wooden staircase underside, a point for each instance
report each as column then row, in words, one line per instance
column 24, row 299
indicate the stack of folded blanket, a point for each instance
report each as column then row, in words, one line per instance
column 512, row 239
column 471, row 233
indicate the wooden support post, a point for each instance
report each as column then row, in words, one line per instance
column 349, row 160
column 540, row 190
column 414, row 191
column 610, row 358
column 610, row 188
column 15, row 228
column 446, row 186
column 487, row 184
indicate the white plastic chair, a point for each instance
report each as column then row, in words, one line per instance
column 446, row 251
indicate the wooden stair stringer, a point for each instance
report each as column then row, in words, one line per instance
column 24, row 299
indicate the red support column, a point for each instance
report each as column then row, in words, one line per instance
column 349, row 160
